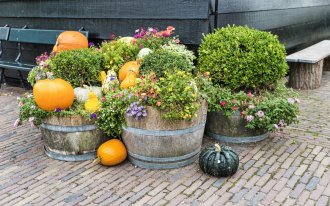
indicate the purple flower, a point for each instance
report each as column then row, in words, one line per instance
column 112, row 78
column 16, row 123
column 260, row 114
column 93, row 116
column 141, row 46
column 291, row 100
column 90, row 44
column 249, row 118
column 58, row 110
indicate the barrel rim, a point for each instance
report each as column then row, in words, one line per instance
column 68, row 129
column 70, row 158
column 162, row 133
column 248, row 139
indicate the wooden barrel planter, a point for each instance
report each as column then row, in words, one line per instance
column 70, row 138
column 231, row 129
column 155, row 143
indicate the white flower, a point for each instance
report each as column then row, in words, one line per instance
column 276, row 126
column 260, row 114
column 297, row 100
column 16, row 123
column 251, row 106
column 291, row 101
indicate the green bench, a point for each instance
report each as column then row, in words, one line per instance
column 21, row 36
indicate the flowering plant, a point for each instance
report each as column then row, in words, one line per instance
column 153, row 39
column 42, row 69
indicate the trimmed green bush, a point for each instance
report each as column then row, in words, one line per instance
column 240, row 58
column 163, row 60
column 78, row 67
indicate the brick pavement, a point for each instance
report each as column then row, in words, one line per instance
column 292, row 167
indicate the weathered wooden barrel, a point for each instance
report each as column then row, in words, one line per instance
column 231, row 129
column 155, row 143
column 71, row 138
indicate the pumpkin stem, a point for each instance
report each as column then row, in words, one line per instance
column 96, row 161
column 217, row 148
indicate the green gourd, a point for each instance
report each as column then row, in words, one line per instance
column 219, row 161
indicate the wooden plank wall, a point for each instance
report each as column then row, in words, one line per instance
column 296, row 22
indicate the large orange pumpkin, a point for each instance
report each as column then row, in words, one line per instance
column 52, row 94
column 70, row 40
column 112, row 152
column 129, row 66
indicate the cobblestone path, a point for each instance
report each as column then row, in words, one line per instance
column 290, row 168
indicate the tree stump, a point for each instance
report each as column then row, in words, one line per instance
column 305, row 76
column 326, row 66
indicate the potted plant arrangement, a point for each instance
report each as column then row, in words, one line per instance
column 155, row 104
column 247, row 95
column 65, row 102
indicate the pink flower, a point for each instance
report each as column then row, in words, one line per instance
column 20, row 104
column 234, row 101
column 170, row 28
column 260, row 114
column 223, row 103
column 103, row 99
column 16, row 123
column 291, row 101
column 249, row 118
column 250, row 95
column 158, row 104
column 234, row 108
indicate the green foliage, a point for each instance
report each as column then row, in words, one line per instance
column 162, row 61
column 181, row 50
column 29, row 111
column 111, row 117
column 178, row 96
column 79, row 67
column 116, row 53
column 240, row 58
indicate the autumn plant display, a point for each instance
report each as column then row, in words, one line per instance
column 246, row 69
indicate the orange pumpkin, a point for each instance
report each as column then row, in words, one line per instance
column 52, row 94
column 129, row 66
column 129, row 81
column 112, row 152
column 70, row 40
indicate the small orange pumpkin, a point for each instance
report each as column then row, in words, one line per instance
column 112, row 152
column 132, row 65
column 70, row 40
column 52, row 94
column 129, row 81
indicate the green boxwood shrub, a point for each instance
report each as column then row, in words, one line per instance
column 163, row 60
column 78, row 67
column 240, row 58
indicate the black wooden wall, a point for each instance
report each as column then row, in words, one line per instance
column 296, row 22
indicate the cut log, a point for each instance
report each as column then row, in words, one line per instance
column 326, row 66
column 305, row 76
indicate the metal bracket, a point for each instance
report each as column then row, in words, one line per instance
column 19, row 46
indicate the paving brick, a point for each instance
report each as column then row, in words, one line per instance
column 289, row 201
column 315, row 195
column 157, row 198
column 238, row 186
column 208, row 194
column 303, row 197
column 312, row 183
column 320, row 171
column 268, row 186
column 224, row 198
column 283, row 195
column 300, row 171
column 292, row 181
column 287, row 163
column 269, row 198
column 252, row 181
column 263, row 170
column 175, row 192
column 310, row 203
column 322, row 201
column 279, row 173
column 316, row 150
column 248, row 164
column 326, row 161
column 297, row 190
column 306, row 177
column 219, row 182
column 239, row 195
column 139, row 194
column 281, row 183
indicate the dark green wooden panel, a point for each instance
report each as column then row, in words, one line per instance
column 190, row 31
column 4, row 33
column 37, row 36
column 110, row 9
column 234, row 6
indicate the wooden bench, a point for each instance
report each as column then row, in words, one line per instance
column 306, row 66
column 21, row 36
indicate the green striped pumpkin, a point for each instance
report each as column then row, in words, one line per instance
column 218, row 161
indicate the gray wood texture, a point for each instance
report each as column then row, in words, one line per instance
column 157, row 144
column 305, row 76
column 311, row 54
